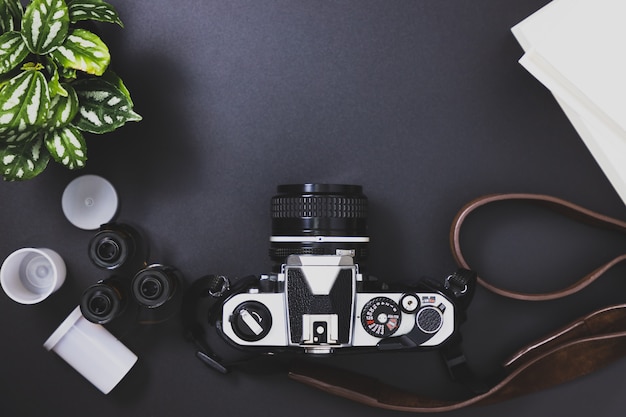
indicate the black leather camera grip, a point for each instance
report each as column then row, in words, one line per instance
column 577, row 349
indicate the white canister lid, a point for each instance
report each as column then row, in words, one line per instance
column 89, row 201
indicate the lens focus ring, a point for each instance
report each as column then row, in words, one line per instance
column 337, row 213
column 319, row 206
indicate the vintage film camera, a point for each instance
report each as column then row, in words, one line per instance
column 318, row 298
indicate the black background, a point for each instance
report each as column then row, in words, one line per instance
column 422, row 102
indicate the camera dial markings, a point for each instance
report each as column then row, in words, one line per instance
column 380, row 317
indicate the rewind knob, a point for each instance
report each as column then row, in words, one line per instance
column 251, row 321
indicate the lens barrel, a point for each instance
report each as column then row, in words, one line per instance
column 319, row 219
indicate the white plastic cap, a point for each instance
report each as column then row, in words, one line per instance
column 30, row 275
column 90, row 349
column 89, row 201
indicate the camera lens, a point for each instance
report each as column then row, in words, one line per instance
column 319, row 219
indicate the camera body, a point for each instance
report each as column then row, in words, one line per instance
column 319, row 303
column 318, row 298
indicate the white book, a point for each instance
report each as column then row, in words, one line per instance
column 537, row 26
column 582, row 60
column 605, row 141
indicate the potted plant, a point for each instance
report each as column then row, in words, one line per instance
column 55, row 84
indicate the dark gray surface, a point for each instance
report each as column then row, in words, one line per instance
column 421, row 102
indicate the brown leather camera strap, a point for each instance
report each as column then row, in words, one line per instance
column 565, row 207
column 577, row 349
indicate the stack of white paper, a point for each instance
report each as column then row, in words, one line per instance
column 577, row 49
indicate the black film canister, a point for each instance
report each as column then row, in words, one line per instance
column 117, row 245
column 157, row 289
column 103, row 301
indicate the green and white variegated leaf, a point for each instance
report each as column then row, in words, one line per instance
column 55, row 87
column 24, row 159
column 62, row 108
column 11, row 12
column 84, row 51
column 114, row 79
column 13, row 51
column 5, row 78
column 6, row 20
column 67, row 146
column 15, row 136
column 93, row 10
column 103, row 106
column 67, row 74
column 24, row 102
column 45, row 25
column 54, row 84
column 15, row 8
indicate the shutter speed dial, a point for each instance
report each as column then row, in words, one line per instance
column 380, row 317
